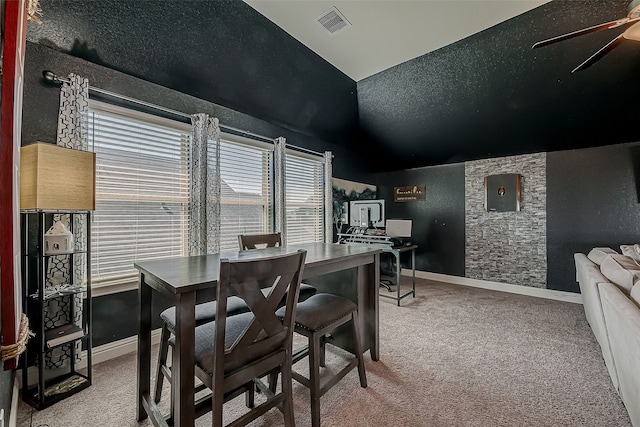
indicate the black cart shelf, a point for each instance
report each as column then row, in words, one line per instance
column 67, row 335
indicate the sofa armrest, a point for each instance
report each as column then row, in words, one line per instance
column 622, row 321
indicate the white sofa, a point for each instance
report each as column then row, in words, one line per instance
column 610, row 287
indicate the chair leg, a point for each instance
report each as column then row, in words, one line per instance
column 314, row 378
column 273, row 380
column 358, row 350
column 287, row 389
column 323, row 346
column 250, row 396
column 173, row 397
column 217, row 402
column 162, row 360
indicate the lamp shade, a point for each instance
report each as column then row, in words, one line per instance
column 57, row 178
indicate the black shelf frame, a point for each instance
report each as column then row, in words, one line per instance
column 33, row 302
column 32, row 395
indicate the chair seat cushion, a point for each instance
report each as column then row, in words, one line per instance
column 206, row 312
column 205, row 340
column 305, row 292
column 321, row 310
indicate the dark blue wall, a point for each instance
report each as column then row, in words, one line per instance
column 41, row 99
column 491, row 95
column 437, row 222
column 221, row 51
column 593, row 200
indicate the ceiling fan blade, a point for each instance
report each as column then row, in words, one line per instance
column 599, row 54
column 633, row 32
column 593, row 29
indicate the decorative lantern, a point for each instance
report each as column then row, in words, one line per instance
column 58, row 240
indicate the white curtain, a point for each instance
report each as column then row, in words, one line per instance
column 279, row 169
column 280, row 148
column 73, row 120
column 328, row 197
column 204, row 203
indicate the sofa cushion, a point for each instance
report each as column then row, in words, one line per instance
column 597, row 255
column 621, row 270
column 588, row 275
column 635, row 294
column 632, row 251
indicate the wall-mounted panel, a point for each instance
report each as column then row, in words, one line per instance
column 502, row 192
column 508, row 246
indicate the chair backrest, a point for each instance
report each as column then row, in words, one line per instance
column 264, row 334
column 254, row 241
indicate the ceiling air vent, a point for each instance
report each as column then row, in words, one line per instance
column 332, row 20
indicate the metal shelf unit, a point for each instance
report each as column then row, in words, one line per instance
column 44, row 384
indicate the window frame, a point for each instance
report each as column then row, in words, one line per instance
column 320, row 159
column 269, row 177
column 128, row 281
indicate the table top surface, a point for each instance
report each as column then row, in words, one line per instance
column 385, row 247
column 185, row 274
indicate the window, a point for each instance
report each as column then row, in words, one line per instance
column 246, row 189
column 142, row 190
column 304, row 198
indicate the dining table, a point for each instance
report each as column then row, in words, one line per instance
column 181, row 278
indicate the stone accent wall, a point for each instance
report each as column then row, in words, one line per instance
column 507, row 247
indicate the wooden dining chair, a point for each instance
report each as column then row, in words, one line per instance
column 255, row 241
column 317, row 315
column 204, row 313
column 232, row 353
column 269, row 240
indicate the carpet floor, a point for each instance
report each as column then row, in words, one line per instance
column 452, row 356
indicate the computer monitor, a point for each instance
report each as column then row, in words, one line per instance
column 398, row 227
column 365, row 213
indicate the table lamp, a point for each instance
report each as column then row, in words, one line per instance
column 57, row 178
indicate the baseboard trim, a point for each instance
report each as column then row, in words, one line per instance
column 497, row 286
column 115, row 349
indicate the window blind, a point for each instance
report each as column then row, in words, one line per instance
column 246, row 189
column 304, row 198
column 142, row 190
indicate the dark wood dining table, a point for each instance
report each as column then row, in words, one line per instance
column 181, row 278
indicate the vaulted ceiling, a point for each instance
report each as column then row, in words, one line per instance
column 377, row 35
column 487, row 94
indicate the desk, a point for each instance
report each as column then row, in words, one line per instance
column 395, row 252
column 181, row 278
column 383, row 242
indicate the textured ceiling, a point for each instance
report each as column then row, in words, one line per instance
column 386, row 33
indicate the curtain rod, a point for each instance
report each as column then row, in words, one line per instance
column 53, row 77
